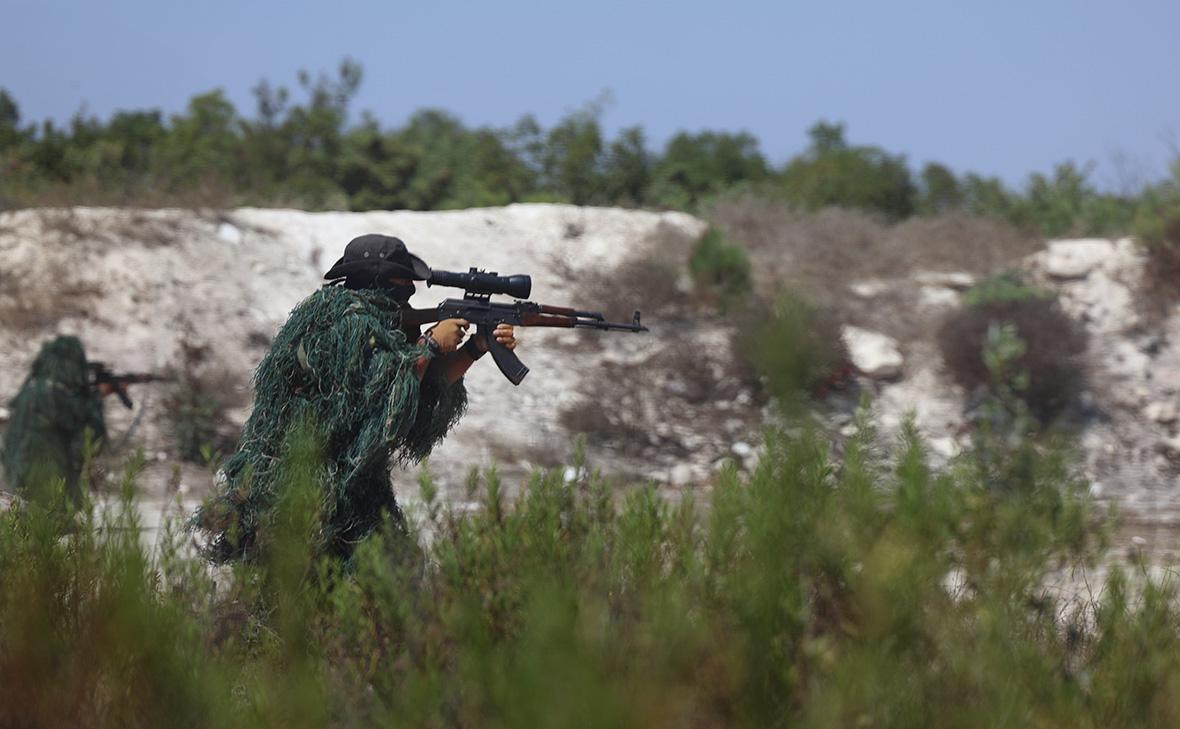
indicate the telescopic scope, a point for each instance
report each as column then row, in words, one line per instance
column 483, row 282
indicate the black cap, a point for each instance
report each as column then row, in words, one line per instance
column 371, row 259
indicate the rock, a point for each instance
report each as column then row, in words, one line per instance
column 1129, row 257
column 945, row 446
column 874, row 354
column 1161, row 412
column 1127, row 360
column 956, row 280
column 869, row 289
column 229, row 233
column 1075, row 259
column 752, row 460
column 938, row 296
column 1105, row 304
column 4, row 415
column 741, row 450
column 681, row 474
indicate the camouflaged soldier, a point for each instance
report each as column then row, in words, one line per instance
column 56, row 412
column 377, row 392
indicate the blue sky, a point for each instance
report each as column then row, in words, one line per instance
column 999, row 87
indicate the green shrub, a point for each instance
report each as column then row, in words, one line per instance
column 1157, row 226
column 793, row 346
column 721, row 269
column 1053, row 342
column 1005, row 288
column 93, row 633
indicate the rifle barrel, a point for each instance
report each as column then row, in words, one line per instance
column 611, row 326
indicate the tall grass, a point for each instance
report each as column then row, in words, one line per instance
column 860, row 590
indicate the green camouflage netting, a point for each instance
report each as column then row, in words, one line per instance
column 342, row 363
column 51, row 415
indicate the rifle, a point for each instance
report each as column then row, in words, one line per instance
column 100, row 374
column 477, row 307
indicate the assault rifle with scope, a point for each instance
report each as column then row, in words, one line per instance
column 477, row 307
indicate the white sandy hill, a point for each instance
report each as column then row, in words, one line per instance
column 135, row 284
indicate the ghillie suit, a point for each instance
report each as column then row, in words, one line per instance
column 341, row 364
column 54, row 413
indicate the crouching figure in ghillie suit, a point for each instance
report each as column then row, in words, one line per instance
column 376, row 392
column 55, row 413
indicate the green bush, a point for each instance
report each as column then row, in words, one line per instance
column 1008, row 287
column 795, row 348
column 93, row 632
column 1157, row 226
column 720, row 269
column 1053, row 343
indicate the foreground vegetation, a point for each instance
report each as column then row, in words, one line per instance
column 825, row 590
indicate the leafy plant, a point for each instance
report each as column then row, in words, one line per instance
column 793, row 346
column 1051, row 349
column 721, row 269
column 1157, row 225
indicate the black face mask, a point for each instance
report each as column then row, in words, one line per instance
column 401, row 292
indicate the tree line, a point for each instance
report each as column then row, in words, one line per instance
column 307, row 152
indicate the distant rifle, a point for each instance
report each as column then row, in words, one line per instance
column 100, row 374
column 477, row 307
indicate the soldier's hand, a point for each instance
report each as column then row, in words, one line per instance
column 505, row 335
column 449, row 333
